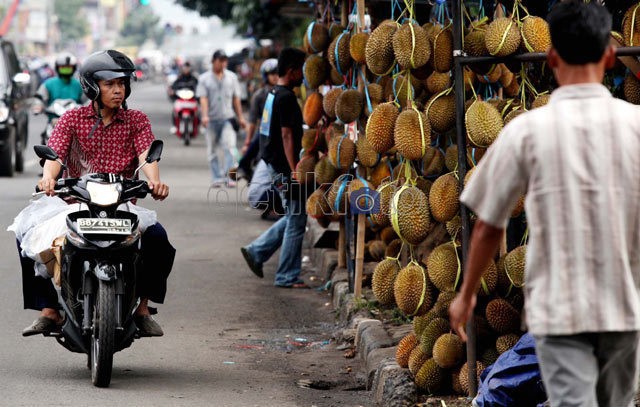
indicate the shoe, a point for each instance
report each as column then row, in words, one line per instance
column 231, row 184
column 297, row 284
column 42, row 325
column 242, row 173
column 255, row 267
column 233, row 173
column 147, row 326
column 216, row 184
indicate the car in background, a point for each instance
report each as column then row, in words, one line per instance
column 15, row 91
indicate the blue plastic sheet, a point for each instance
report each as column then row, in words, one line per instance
column 514, row 379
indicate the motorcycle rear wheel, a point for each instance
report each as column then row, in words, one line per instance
column 103, row 336
column 186, row 135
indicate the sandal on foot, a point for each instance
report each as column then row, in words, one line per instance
column 147, row 326
column 42, row 325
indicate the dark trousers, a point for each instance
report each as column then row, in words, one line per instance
column 246, row 162
column 157, row 261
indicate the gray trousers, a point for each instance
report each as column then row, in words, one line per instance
column 591, row 369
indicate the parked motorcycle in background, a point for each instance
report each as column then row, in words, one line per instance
column 55, row 111
column 186, row 121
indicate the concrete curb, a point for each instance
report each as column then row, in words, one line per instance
column 390, row 384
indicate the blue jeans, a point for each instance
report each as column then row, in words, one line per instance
column 287, row 232
column 221, row 145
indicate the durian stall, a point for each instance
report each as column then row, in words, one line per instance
column 402, row 99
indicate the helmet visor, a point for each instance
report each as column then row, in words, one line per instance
column 65, row 70
column 108, row 75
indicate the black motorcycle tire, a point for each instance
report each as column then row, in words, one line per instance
column 186, row 125
column 103, row 337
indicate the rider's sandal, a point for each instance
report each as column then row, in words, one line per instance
column 147, row 326
column 42, row 325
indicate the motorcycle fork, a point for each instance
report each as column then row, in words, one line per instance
column 89, row 292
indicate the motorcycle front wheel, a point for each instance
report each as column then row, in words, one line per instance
column 103, row 336
column 186, row 135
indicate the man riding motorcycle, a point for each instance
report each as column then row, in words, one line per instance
column 186, row 80
column 104, row 136
column 63, row 86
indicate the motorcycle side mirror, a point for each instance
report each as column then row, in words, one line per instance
column 45, row 152
column 155, row 151
column 153, row 155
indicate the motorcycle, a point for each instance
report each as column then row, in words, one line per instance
column 56, row 109
column 100, row 259
column 185, row 115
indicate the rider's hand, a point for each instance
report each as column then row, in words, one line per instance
column 205, row 121
column 159, row 190
column 242, row 123
column 460, row 312
column 37, row 108
column 47, row 185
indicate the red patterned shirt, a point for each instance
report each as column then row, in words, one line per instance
column 113, row 148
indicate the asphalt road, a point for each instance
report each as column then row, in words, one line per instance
column 231, row 339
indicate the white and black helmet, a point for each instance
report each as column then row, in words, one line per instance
column 105, row 65
column 66, row 59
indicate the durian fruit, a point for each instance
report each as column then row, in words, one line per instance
column 411, row 46
column 474, row 42
column 401, row 90
column 483, row 122
column 315, row 71
column 420, row 322
column 410, row 214
column 381, row 172
column 318, row 205
column 445, row 298
column 305, row 169
column 493, row 76
column 365, row 153
column 404, row 349
column 513, row 114
column 631, row 87
column 431, row 378
column 382, row 281
column 464, row 375
column 504, row 285
column 488, row 281
column 329, row 102
column 357, row 45
column 540, row 101
column 309, row 139
column 441, row 112
column 335, row 29
column 448, row 351
column 393, row 248
column 443, row 267
column 349, row 106
column 502, row 37
column 316, row 38
column 388, row 235
column 454, row 226
column 631, row 26
column 325, row 171
column 506, row 342
column 385, row 191
column 514, row 263
column 338, row 53
column 376, row 250
column 489, row 356
column 444, row 198
column 334, row 76
column 455, row 383
column 312, row 112
column 535, row 34
column 442, row 48
column 342, row 152
column 506, row 78
column 412, row 291
column 469, row 78
column 416, row 360
column 338, row 196
column 381, row 125
column 502, row 317
column 412, row 134
column 376, row 93
column 432, row 162
column 379, row 50
column 438, row 82
column 451, row 157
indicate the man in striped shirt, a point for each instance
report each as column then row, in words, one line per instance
column 577, row 159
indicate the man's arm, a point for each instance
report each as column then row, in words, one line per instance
column 49, row 173
column 485, row 241
column 237, row 107
column 204, row 106
column 289, row 149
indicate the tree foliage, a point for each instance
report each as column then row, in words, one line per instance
column 73, row 26
column 140, row 25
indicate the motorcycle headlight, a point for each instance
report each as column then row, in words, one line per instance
column 103, row 194
column 4, row 112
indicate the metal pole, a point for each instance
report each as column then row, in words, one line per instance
column 462, row 171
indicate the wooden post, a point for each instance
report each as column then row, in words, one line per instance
column 357, row 284
column 342, row 247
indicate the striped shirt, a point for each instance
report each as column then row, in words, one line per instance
column 578, row 161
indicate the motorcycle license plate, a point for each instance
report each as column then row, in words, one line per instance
column 108, row 226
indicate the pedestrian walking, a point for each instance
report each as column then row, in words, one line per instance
column 280, row 145
column 219, row 94
column 577, row 161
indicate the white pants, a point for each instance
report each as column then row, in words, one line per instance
column 221, row 148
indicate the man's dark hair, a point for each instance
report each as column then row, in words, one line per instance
column 290, row 58
column 579, row 31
